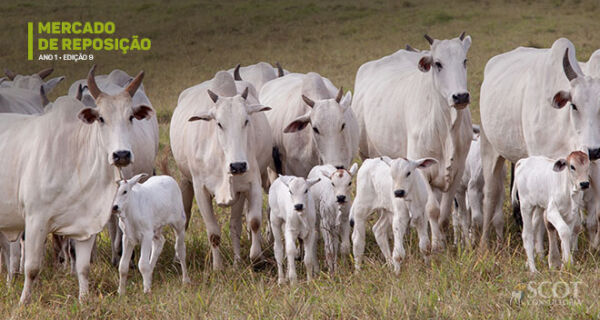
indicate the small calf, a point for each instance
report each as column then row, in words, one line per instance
column 144, row 209
column 400, row 193
column 293, row 214
column 332, row 196
column 545, row 191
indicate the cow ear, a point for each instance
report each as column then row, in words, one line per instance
column 257, row 108
column 467, row 43
column 425, row 63
column 137, row 178
column 88, row 115
column 284, row 180
column 206, row 116
column 50, row 84
column 560, row 99
column 426, row 163
column 386, row 160
column 300, row 123
column 560, row 165
column 353, row 169
column 142, row 112
column 312, row 182
column 346, row 100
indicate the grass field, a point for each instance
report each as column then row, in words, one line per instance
column 191, row 41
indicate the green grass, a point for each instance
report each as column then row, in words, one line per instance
column 191, row 41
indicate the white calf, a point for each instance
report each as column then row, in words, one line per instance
column 542, row 184
column 293, row 214
column 144, row 209
column 401, row 195
column 332, row 197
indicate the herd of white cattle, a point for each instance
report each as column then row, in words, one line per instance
column 75, row 165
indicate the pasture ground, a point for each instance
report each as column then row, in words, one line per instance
column 191, row 41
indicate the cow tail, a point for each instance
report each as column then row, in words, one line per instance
column 277, row 160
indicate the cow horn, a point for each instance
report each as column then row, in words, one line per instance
column 45, row 100
column 245, row 93
column 280, row 72
column 46, row 72
column 462, row 36
column 429, row 39
column 339, row 95
column 236, row 73
column 213, row 96
column 91, row 83
column 79, row 95
column 411, row 49
column 307, row 100
column 135, row 84
column 569, row 72
column 11, row 75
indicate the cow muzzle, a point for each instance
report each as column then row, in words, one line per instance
column 399, row 193
column 299, row 207
column 341, row 199
column 238, row 167
column 116, row 209
column 121, row 158
column 584, row 185
column 461, row 100
column 594, row 154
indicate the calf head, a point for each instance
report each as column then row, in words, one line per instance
column 583, row 99
column 113, row 117
column 447, row 61
column 232, row 118
column 578, row 170
column 328, row 122
column 404, row 175
column 341, row 180
column 123, row 191
column 298, row 188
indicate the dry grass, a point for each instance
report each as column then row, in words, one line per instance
column 191, row 41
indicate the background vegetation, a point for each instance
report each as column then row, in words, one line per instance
column 191, row 41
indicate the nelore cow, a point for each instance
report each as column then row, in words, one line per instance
column 63, row 182
column 144, row 140
column 311, row 122
column 221, row 142
column 414, row 104
column 258, row 74
column 26, row 94
column 534, row 102
column 31, row 82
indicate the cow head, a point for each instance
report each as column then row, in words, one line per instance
column 232, row 118
column 403, row 173
column 124, row 191
column 329, row 128
column 113, row 117
column 35, row 81
column 578, row 169
column 298, row 188
column 447, row 61
column 583, row 99
column 341, row 180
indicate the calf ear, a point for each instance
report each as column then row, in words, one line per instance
column 425, row 63
column 206, row 116
column 560, row 165
column 346, row 100
column 257, row 108
column 426, row 162
column 466, row 43
column 50, row 84
column 560, row 99
column 300, row 123
column 386, row 160
column 137, row 178
column 353, row 169
column 324, row 173
column 142, row 112
column 312, row 182
column 88, row 115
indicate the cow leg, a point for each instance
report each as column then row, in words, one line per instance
column 187, row 193
column 35, row 233
column 400, row 222
column 213, row 230
column 115, row 234
column 345, row 230
column 254, row 218
column 447, row 204
column 463, row 217
column 432, row 210
column 493, row 188
column 5, row 247
column 235, row 228
column 380, row 229
column 528, row 234
column 82, row 263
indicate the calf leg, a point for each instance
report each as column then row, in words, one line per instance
column 380, row 229
column 564, row 232
column 345, row 230
column 433, row 212
column 423, row 233
column 539, row 229
column 290, row 249
column 254, row 218
column 115, row 234
column 276, row 225
column 475, row 197
column 310, row 255
column 157, row 245
column 128, row 246
column 35, row 234
column 528, row 234
column 180, row 251
column 82, row 263
column 400, row 221
column 213, row 230
column 553, row 253
column 144, row 264
column 358, row 213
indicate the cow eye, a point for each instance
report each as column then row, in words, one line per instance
column 438, row 65
column 130, row 118
column 219, row 124
column 574, row 107
column 572, row 167
column 246, row 123
column 465, row 63
column 408, row 174
column 350, row 183
column 343, row 126
column 316, row 130
column 125, row 192
column 101, row 120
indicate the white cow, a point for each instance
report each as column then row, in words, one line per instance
column 551, row 191
column 332, row 196
column 534, row 102
column 401, row 195
column 33, row 82
column 143, row 211
column 221, row 142
column 299, row 100
column 414, row 104
column 293, row 216
column 258, row 74
column 144, row 141
column 63, row 181
column 467, row 219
